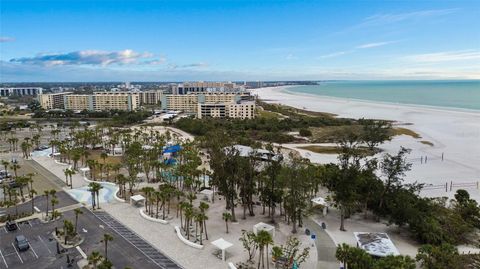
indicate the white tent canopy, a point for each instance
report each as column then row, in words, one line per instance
column 208, row 194
column 136, row 199
column 222, row 244
column 319, row 201
column 264, row 227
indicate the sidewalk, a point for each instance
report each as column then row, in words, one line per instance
column 325, row 246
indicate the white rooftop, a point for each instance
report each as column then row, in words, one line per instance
column 137, row 198
column 319, row 201
column 222, row 244
column 376, row 244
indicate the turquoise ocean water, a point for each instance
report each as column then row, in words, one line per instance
column 456, row 94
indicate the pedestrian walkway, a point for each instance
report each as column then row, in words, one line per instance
column 325, row 246
column 156, row 256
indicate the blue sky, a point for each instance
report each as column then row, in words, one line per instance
column 238, row 40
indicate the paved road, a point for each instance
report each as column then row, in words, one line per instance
column 43, row 248
column 151, row 252
column 325, row 246
column 40, row 202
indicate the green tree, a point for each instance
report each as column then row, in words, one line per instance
column 226, row 216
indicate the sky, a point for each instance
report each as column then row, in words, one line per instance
column 106, row 40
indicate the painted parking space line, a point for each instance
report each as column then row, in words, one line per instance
column 43, row 242
column 3, row 258
column 31, row 248
column 17, row 252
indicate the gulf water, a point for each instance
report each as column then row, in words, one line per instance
column 456, row 94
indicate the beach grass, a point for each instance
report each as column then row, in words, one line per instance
column 331, row 134
column 425, row 142
column 267, row 114
column 405, row 131
column 335, row 150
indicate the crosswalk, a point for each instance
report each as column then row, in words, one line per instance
column 151, row 252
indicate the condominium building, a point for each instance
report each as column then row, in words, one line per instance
column 52, row 100
column 203, row 87
column 79, row 102
column 240, row 110
column 97, row 102
column 186, row 103
column 217, row 105
column 152, row 97
column 116, row 100
column 21, row 91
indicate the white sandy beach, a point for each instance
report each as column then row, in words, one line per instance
column 454, row 133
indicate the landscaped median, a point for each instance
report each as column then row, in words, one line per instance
column 185, row 241
column 147, row 217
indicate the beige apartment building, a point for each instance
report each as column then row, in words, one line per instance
column 52, row 100
column 153, row 97
column 79, row 102
column 97, row 102
column 116, row 101
column 240, row 110
column 217, row 105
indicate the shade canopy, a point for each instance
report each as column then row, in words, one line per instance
column 319, row 201
column 222, row 244
column 137, row 198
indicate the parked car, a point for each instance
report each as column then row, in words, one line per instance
column 13, row 184
column 4, row 174
column 11, row 225
column 21, row 242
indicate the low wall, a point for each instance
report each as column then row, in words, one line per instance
column 147, row 217
column 185, row 241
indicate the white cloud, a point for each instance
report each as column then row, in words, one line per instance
column 445, row 56
column 4, row 39
column 387, row 18
column 374, row 45
column 89, row 57
column 336, row 54
column 291, row 56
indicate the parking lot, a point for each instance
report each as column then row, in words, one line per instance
column 42, row 252
column 43, row 248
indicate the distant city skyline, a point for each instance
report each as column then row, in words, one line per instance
column 238, row 40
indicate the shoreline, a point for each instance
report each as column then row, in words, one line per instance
column 454, row 134
column 285, row 90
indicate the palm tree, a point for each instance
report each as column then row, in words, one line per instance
column 46, row 193
column 77, row 212
column 15, row 167
column 106, row 239
column 5, row 163
column 94, row 188
column 148, row 191
column 54, row 201
column 66, row 172
column 70, row 174
column 226, row 216
column 263, row 239
column 94, row 258
column 32, row 196
column 203, row 208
